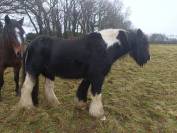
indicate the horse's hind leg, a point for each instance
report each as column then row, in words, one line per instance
column 16, row 79
column 35, row 92
column 50, row 94
column 26, row 98
column 1, row 81
column 81, row 95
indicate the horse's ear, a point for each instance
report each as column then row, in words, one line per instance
column 21, row 21
column 7, row 20
column 139, row 33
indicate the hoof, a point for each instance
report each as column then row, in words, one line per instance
column 103, row 118
column 97, row 113
column 56, row 104
column 80, row 104
column 53, row 103
column 96, row 107
column 28, row 107
column 25, row 104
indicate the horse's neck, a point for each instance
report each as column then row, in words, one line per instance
column 5, row 45
column 116, row 51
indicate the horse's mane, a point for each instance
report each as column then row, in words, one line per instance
column 1, row 40
column 73, row 38
column 86, row 36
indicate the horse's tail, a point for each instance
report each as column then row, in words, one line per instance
column 36, row 87
column 24, row 58
column 35, row 92
column 23, row 72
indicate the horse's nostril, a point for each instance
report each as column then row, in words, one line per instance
column 18, row 54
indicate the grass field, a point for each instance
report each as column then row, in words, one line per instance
column 136, row 100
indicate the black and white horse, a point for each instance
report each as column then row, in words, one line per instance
column 89, row 58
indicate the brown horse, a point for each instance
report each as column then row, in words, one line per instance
column 11, row 45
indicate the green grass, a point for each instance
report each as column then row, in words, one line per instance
column 135, row 100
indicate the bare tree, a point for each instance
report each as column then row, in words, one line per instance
column 71, row 17
column 7, row 6
column 110, row 15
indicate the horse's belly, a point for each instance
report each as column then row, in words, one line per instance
column 70, row 75
column 70, row 70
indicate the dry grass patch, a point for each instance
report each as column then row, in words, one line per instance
column 135, row 100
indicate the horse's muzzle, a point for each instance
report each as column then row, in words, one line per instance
column 19, row 55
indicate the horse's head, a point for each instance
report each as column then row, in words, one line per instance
column 14, row 34
column 139, row 47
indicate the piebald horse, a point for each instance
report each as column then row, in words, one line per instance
column 89, row 58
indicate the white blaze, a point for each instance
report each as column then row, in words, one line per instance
column 17, row 33
column 110, row 36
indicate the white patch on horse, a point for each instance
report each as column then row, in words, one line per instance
column 26, row 99
column 96, row 107
column 110, row 36
column 17, row 33
column 49, row 92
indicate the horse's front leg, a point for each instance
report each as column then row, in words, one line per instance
column 16, row 79
column 26, row 98
column 96, row 106
column 50, row 94
column 1, row 81
column 81, row 95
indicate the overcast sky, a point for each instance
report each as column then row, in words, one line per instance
column 159, row 16
column 152, row 16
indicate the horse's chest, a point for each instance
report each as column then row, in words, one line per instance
column 9, row 60
column 12, row 62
